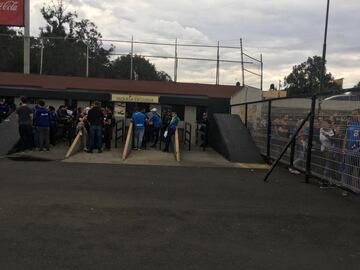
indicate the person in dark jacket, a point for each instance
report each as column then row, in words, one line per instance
column 42, row 123
column 109, row 123
column 155, row 121
column 171, row 130
column 95, row 118
column 25, row 120
column 53, row 125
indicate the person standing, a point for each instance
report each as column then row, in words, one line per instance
column 42, row 123
column 95, row 118
column 138, row 119
column 25, row 119
column 4, row 110
column 109, row 123
column 351, row 152
column 205, row 131
column 156, row 122
column 53, row 125
column 171, row 130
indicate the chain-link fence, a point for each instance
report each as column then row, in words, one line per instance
column 335, row 144
column 187, row 62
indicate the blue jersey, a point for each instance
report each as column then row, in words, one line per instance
column 155, row 118
column 42, row 117
column 174, row 122
column 139, row 120
column 353, row 136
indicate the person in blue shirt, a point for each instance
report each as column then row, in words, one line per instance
column 42, row 123
column 171, row 130
column 351, row 152
column 138, row 118
column 155, row 120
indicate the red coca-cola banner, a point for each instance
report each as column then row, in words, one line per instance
column 12, row 12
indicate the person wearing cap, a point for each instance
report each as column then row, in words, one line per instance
column 156, row 122
column 171, row 130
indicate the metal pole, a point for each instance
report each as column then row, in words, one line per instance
column 242, row 63
column 87, row 60
column 262, row 72
column 176, row 62
column 310, row 139
column 27, row 37
column 41, row 55
column 323, row 71
column 246, row 115
column 132, row 58
column 268, row 143
column 218, row 63
column 286, row 147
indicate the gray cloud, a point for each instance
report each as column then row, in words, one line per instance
column 286, row 32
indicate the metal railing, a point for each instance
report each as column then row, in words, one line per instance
column 119, row 132
column 327, row 147
column 187, row 135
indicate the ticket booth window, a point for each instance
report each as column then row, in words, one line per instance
column 179, row 109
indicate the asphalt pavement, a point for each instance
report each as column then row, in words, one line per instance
column 56, row 215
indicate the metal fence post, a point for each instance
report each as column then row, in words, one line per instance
column 310, row 139
column 218, row 64
column 87, row 60
column 41, row 55
column 246, row 115
column 242, row 63
column 132, row 58
column 176, row 62
column 268, row 137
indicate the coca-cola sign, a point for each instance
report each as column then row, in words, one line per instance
column 12, row 12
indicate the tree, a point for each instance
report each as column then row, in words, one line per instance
column 67, row 41
column 11, row 50
column 143, row 69
column 305, row 78
column 357, row 85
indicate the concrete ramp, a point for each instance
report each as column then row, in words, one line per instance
column 9, row 134
column 231, row 138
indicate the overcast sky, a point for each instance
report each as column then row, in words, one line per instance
column 286, row 32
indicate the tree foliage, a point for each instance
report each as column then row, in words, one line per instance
column 357, row 85
column 143, row 69
column 66, row 40
column 305, row 78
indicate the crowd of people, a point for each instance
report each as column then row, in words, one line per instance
column 42, row 125
column 148, row 127
column 336, row 145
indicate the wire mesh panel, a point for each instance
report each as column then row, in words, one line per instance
column 239, row 110
column 257, row 124
column 286, row 116
column 336, row 151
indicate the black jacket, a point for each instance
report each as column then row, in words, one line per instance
column 95, row 116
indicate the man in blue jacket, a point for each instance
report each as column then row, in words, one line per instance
column 138, row 118
column 42, row 123
column 351, row 152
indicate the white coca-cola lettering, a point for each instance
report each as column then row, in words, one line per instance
column 9, row 5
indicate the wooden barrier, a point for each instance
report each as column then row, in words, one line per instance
column 78, row 144
column 128, row 142
column 177, row 145
column 74, row 147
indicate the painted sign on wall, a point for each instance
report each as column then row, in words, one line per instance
column 12, row 12
column 135, row 98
